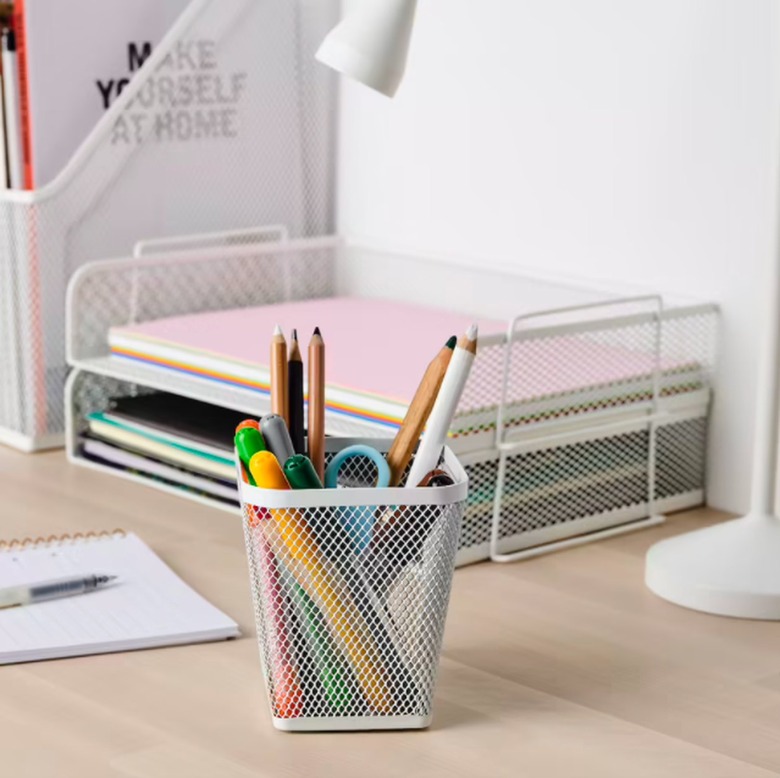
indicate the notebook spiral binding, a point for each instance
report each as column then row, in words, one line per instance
column 58, row 540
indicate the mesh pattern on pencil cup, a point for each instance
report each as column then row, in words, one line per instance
column 350, row 624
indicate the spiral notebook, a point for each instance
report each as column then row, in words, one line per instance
column 148, row 606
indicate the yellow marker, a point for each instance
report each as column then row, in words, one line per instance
column 267, row 471
column 325, row 586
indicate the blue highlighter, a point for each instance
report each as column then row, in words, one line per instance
column 358, row 525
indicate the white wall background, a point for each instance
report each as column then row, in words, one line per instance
column 624, row 141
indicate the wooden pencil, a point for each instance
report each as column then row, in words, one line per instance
column 295, row 396
column 279, row 400
column 317, row 402
column 416, row 418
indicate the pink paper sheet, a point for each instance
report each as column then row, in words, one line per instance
column 373, row 346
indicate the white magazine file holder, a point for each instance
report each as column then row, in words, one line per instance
column 254, row 147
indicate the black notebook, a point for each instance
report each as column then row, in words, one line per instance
column 196, row 421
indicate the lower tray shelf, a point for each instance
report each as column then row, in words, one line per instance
column 581, row 487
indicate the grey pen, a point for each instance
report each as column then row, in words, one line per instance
column 277, row 437
column 28, row 594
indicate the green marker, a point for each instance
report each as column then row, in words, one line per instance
column 248, row 442
column 329, row 664
column 301, row 474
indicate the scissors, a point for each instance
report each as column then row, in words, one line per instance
column 357, row 521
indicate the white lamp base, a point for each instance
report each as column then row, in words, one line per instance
column 732, row 569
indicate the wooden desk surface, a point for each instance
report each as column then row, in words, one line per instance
column 561, row 666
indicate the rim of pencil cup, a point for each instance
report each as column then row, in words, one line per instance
column 397, row 495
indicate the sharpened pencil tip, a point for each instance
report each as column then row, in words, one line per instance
column 472, row 332
column 317, row 331
column 452, row 342
column 278, row 330
column 295, row 334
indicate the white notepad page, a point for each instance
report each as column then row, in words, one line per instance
column 149, row 605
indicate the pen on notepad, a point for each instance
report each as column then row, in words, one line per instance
column 52, row 590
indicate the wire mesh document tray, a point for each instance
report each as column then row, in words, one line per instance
column 588, row 416
column 350, row 630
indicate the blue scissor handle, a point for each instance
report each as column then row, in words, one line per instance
column 359, row 525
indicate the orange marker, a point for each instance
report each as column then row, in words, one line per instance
column 248, row 423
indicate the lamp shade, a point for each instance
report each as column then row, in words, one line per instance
column 371, row 43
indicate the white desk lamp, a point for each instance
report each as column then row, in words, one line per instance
column 371, row 43
column 733, row 568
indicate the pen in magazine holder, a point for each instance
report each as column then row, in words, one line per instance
column 322, row 581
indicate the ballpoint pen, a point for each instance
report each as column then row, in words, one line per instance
column 27, row 594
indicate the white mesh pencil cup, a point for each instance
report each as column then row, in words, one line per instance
column 350, row 589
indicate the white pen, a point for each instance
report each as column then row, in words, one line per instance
column 435, row 436
column 27, row 594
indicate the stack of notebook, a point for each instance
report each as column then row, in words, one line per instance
column 377, row 350
column 171, row 439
